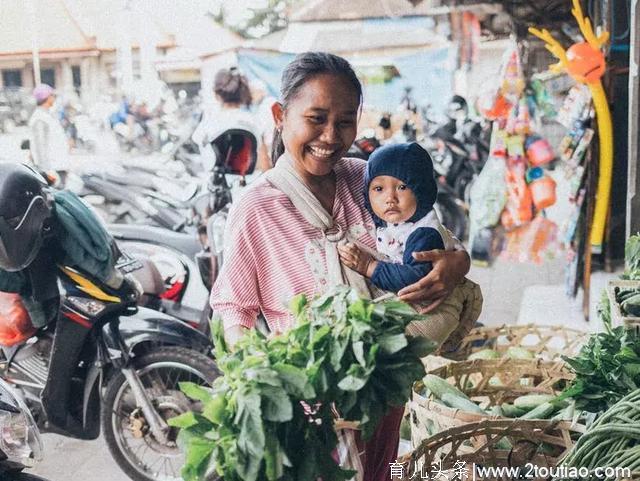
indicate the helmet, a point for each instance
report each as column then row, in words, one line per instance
column 25, row 207
column 457, row 108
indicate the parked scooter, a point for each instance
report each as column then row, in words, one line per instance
column 21, row 447
column 180, row 267
column 100, row 356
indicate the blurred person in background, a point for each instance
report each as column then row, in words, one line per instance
column 49, row 144
column 262, row 103
column 234, row 99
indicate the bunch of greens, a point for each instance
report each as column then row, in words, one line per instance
column 632, row 258
column 345, row 353
column 607, row 369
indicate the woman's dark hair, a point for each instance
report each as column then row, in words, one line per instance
column 302, row 69
column 232, row 87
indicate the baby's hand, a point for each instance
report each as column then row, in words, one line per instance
column 358, row 260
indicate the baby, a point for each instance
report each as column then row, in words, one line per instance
column 400, row 190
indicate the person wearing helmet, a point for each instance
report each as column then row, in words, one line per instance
column 49, row 145
column 233, row 97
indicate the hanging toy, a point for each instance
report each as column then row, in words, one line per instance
column 585, row 63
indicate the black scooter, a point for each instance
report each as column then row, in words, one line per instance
column 103, row 358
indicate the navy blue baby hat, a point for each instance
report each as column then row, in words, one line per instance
column 409, row 163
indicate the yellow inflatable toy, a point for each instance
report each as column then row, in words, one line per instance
column 585, row 62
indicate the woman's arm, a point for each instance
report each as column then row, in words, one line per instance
column 234, row 297
column 449, row 268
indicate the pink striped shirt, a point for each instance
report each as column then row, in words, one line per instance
column 272, row 253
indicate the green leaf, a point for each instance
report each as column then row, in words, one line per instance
column 249, row 418
column 214, row 410
column 183, row 421
column 297, row 305
column 276, row 405
column 263, row 375
column 392, row 344
column 361, row 309
column 358, row 352
column 352, row 383
column 295, row 380
column 195, row 391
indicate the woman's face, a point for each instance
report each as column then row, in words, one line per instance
column 319, row 124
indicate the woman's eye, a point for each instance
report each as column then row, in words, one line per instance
column 316, row 119
column 402, row 187
column 346, row 123
column 377, row 189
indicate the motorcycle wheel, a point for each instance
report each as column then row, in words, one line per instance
column 20, row 477
column 133, row 446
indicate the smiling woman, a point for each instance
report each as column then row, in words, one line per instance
column 282, row 235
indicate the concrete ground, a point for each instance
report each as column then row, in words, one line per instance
column 513, row 294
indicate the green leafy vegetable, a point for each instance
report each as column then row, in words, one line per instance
column 270, row 416
column 607, row 369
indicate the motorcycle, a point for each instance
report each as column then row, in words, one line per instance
column 22, row 446
column 107, row 365
column 181, row 266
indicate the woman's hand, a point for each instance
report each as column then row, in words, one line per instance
column 449, row 268
column 233, row 335
column 355, row 258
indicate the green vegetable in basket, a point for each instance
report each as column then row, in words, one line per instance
column 515, row 352
column 532, row 401
column 510, row 411
column 607, row 368
column 484, row 354
column 613, row 440
column 439, row 386
column 632, row 258
column 543, row 411
column 631, row 304
column 457, row 402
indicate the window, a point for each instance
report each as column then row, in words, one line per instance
column 12, row 78
column 48, row 76
column 77, row 79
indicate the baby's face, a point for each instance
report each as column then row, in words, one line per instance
column 391, row 199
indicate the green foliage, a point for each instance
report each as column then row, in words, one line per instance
column 270, row 416
column 270, row 17
column 607, row 369
column 632, row 258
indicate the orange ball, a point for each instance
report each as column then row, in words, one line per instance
column 586, row 64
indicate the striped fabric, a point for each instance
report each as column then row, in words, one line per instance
column 272, row 253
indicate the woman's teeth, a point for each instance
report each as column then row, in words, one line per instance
column 321, row 152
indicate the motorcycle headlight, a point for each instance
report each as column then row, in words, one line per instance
column 20, row 438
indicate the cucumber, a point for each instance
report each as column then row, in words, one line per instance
column 463, row 404
column 510, row 411
column 518, row 353
column 532, row 401
column 485, row 354
column 543, row 411
column 439, row 386
column 496, row 411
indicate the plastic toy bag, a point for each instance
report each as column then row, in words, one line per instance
column 532, row 242
column 15, row 322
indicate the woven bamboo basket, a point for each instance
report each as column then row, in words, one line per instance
column 491, row 383
column 545, row 342
column 476, row 445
